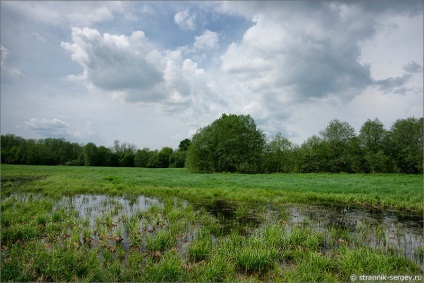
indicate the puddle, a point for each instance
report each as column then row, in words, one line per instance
column 96, row 206
column 232, row 216
column 128, row 222
column 356, row 226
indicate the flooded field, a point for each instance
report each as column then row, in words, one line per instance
column 122, row 221
column 89, row 227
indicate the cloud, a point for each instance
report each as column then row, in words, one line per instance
column 4, row 54
column 56, row 128
column 390, row 84
column 130, row 68
column 185, row 20
column 413, row 67
column 207, row 40
column 118, row 62
column 11, row 71
column 47, row 127
column 297, row 60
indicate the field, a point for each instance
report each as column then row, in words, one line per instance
column 133, row 224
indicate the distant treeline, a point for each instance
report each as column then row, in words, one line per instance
column 51, row 151
column 232, row 143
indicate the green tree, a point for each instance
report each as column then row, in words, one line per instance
column 153, row 159
column 163, row 157
column 184, row 145
column 141, row 158
column 279, row 155
column 339, row 135
column 372, row 137
column 231, row 143
column 90, row 155
column 125, row 153
column 314, row 155
column 406, row 145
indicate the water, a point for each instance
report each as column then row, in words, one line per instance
column 378, row 229
column 355, row 226
column 96, row 206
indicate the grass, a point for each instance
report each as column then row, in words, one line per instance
column 381, row 191
column 202, row 228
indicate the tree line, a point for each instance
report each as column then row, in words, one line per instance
column 53, row 151
column 233, row 143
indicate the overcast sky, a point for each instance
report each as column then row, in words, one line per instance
column 152, row 73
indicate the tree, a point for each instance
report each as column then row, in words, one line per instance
column 163, row 157
column 90, row 154
column 314, row 155
column 406, row 145
column 338, row 135
column 231, row 143
column 177, row 159
column 184, row 145
column 141, row 157
column 372, row 137
column 125, row 153
column 279, row 155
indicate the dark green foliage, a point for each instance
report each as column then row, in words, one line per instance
column 17, row 150
column 163, row 157
column 231, row 143
column 141, row 157
column 406, row 145
column 279, row 155
column 177, row 159
column 184, row 145
column 372, row 138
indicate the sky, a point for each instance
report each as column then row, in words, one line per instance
column 152, row 73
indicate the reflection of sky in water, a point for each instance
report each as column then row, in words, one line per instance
column 401, row 231
column 96, row 206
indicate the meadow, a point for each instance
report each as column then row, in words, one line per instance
column 102, row 224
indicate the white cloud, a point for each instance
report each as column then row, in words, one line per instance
column 11, row 71
column 207, row 40
column 131, row 69
column 185, row 20
column 118, row 62
column 47, row 127
column 4, row 55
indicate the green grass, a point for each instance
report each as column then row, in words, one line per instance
column 203, row 229
column 382, row 191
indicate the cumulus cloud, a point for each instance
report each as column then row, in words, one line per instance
column 185, row 20
column 302, row 57
column 132, row 69
column 118, row 62
column 207, row 40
